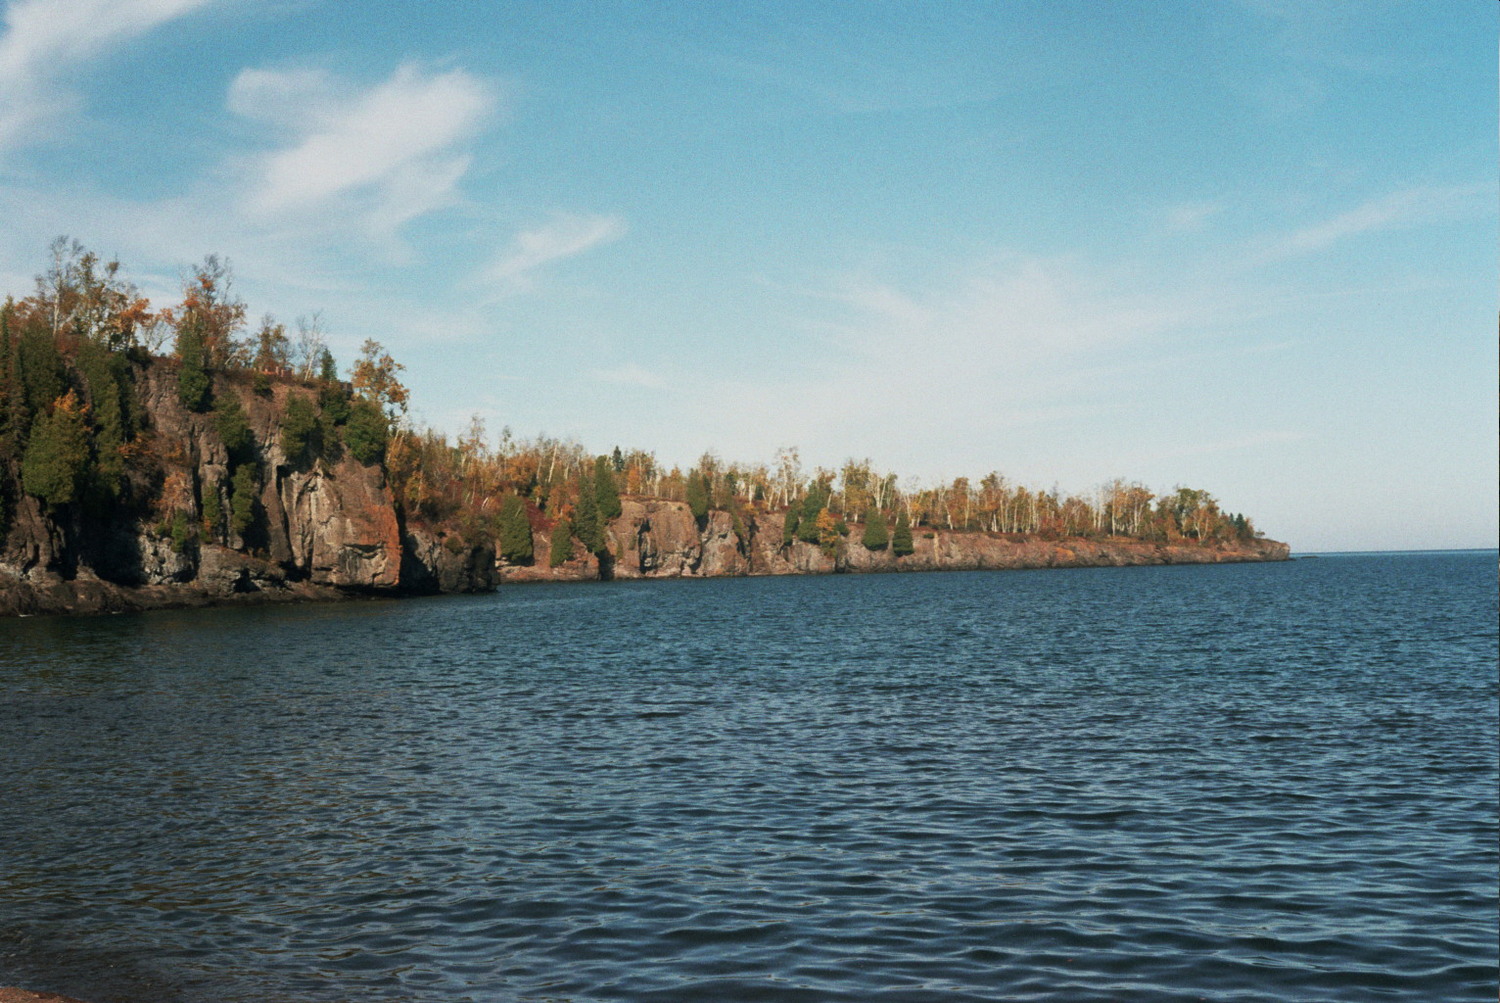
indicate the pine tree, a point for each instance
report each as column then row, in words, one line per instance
column 299, row 428
column 807, row 524
column 367, row 433
column 587, row 525
column 789, row 526
column 606, row 491
column 234, row 428
column 901, row 542
column 561, row 550
column 242, row 499
column 107, row 385
column 515, row 531
column 213, row 510
column 194, row 384
column 876, row 536
column 697, row 498
column 57, row 453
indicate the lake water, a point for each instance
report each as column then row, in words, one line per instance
column 1235, row 783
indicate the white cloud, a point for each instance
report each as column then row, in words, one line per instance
column 383, row 155
column 1407, row 207
column 562, row 237
column 1191, row 217
column 45, row 41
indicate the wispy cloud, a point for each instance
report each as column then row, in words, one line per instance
column 1407, row 207
column 46, row 41
column 561, row 237
column 384, row 155
column 1192, row 217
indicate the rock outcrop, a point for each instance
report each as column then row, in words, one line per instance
column 655, row 538
column 324, row 526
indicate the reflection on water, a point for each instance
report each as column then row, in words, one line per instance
column 1234, row 783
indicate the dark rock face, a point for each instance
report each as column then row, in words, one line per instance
column 430, row 565
column 325, row 527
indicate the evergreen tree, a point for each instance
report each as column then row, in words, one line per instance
column 299, row 428
column 242, row 499
column 14, row 418
column 328, row 370
column 606, row 491
column 562, row 544
column 333, row 397
column 697, row 498
column 57, row 454
column 901, row 542
column 587, row 525
column 194, row 383
column 367, row 433
column 807, row 524
column 515, row 531
column 876, row 536
column 213, row 510
column 234, row 428
column 789, row 525
column 41, row 368
column 106, row 380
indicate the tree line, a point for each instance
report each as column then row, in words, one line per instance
column 70, row 424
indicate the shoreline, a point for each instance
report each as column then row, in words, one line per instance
column 89, row 595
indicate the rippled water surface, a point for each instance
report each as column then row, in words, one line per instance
column 1256, row 782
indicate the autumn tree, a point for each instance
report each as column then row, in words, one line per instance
column 376, row 377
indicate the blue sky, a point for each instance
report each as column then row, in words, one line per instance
column 1244, row 246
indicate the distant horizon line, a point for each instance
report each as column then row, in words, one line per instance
column 1403, row 550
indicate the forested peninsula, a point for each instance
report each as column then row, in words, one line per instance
column 185, row 456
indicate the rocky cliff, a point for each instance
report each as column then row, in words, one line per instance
column 321, row 524
column 324, row 526
column 654, row 538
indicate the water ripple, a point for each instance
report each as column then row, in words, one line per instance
column 1224, row 783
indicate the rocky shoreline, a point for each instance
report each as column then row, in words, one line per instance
column 652, row 538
